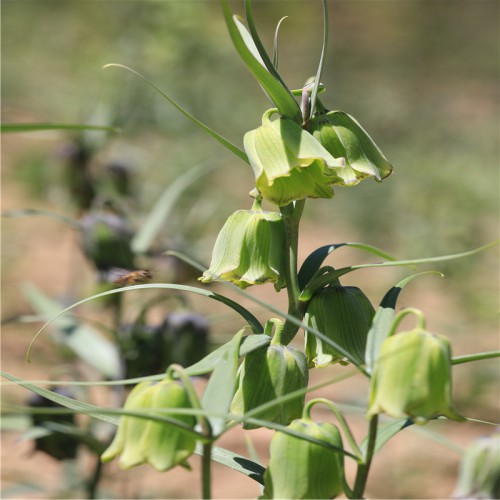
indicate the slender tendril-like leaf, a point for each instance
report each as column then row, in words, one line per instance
column 477, row 356
column 155, row 220
column 227, row 144
column 26, row 212
column 314, row 261
column 383, row 320
column 247, row 315
column 260, row 46
column 245, row 46
column 321, row 65
column 37, row 127
column 275, row 46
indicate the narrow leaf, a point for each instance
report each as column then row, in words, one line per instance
column 26, row 212
column 160, row 212
column 220, row 389
column 315, row 260
column 244, row 45
column 234, row 149
column 84, row 341
column 275, row 47
column 208, row 363
column 321, row 65
column 236, row 462
column 247, row 315
column 36, row 127
column 385, row 432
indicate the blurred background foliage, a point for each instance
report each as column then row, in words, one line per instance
column 421, row 76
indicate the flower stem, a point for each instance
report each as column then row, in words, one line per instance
column 291, row 218
column 364, row 468
column 206, row 476
column 466, row 358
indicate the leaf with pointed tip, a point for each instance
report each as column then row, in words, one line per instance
column 314, row 261
column 275, row 46
column 83, row 340
column 228, row 145
column 249, row 53
column 220, row 389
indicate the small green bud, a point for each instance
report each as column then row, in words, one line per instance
column 479, row 472
column 344, row 137
column 344, row 314
column 302, row 469
column 249, row 250
column 289, row 163
column 412, row 377
column 267, row 374
column 139, row 440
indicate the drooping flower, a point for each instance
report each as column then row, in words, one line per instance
column 161, row 444
column 412, row 377
column 302, row 469
column 342, row 136
column 249, row 250
column 289, row 163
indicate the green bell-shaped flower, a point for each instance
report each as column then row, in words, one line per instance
column 412, row 377
column 303, row 469
column 344, row 137
column 479, row 471
column 344, row 314
column 249, row 249
column 267, row 374
column 289, row 163
column 139, row 440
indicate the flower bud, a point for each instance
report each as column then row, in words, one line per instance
column 249, row 250
column 267, row 374
column 343, row 136
column 302, row 469
column 289, row 163
column 139, row 440
column 479, row 472
column 412, row 377
column 344, row 314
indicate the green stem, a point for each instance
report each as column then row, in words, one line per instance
column 405, row 312
column 364, row 468
column 458, row 360
column 291, row 218
column 206, row 476
column 94, row 480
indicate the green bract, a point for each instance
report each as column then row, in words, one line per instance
column 289, row 163
column 412, row 377
column 267, row 374
column 139, row 440
column 344, row 314
column 302, row 469
column 344, row 137
column 249, row 250
column 479, row 473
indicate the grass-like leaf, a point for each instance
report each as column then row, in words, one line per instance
column 245, row 46
column 27, row 212
column 275, row 45
column 219, row 391
column 37, row 127
column 160, row 212
column 227, row 144
column 247, row 315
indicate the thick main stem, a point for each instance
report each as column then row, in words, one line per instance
column 291, row 218
column 206, row 471
column 364, row 468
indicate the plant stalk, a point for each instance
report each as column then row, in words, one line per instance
column 206, row 476
column 291, row 214
column 364, row 468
